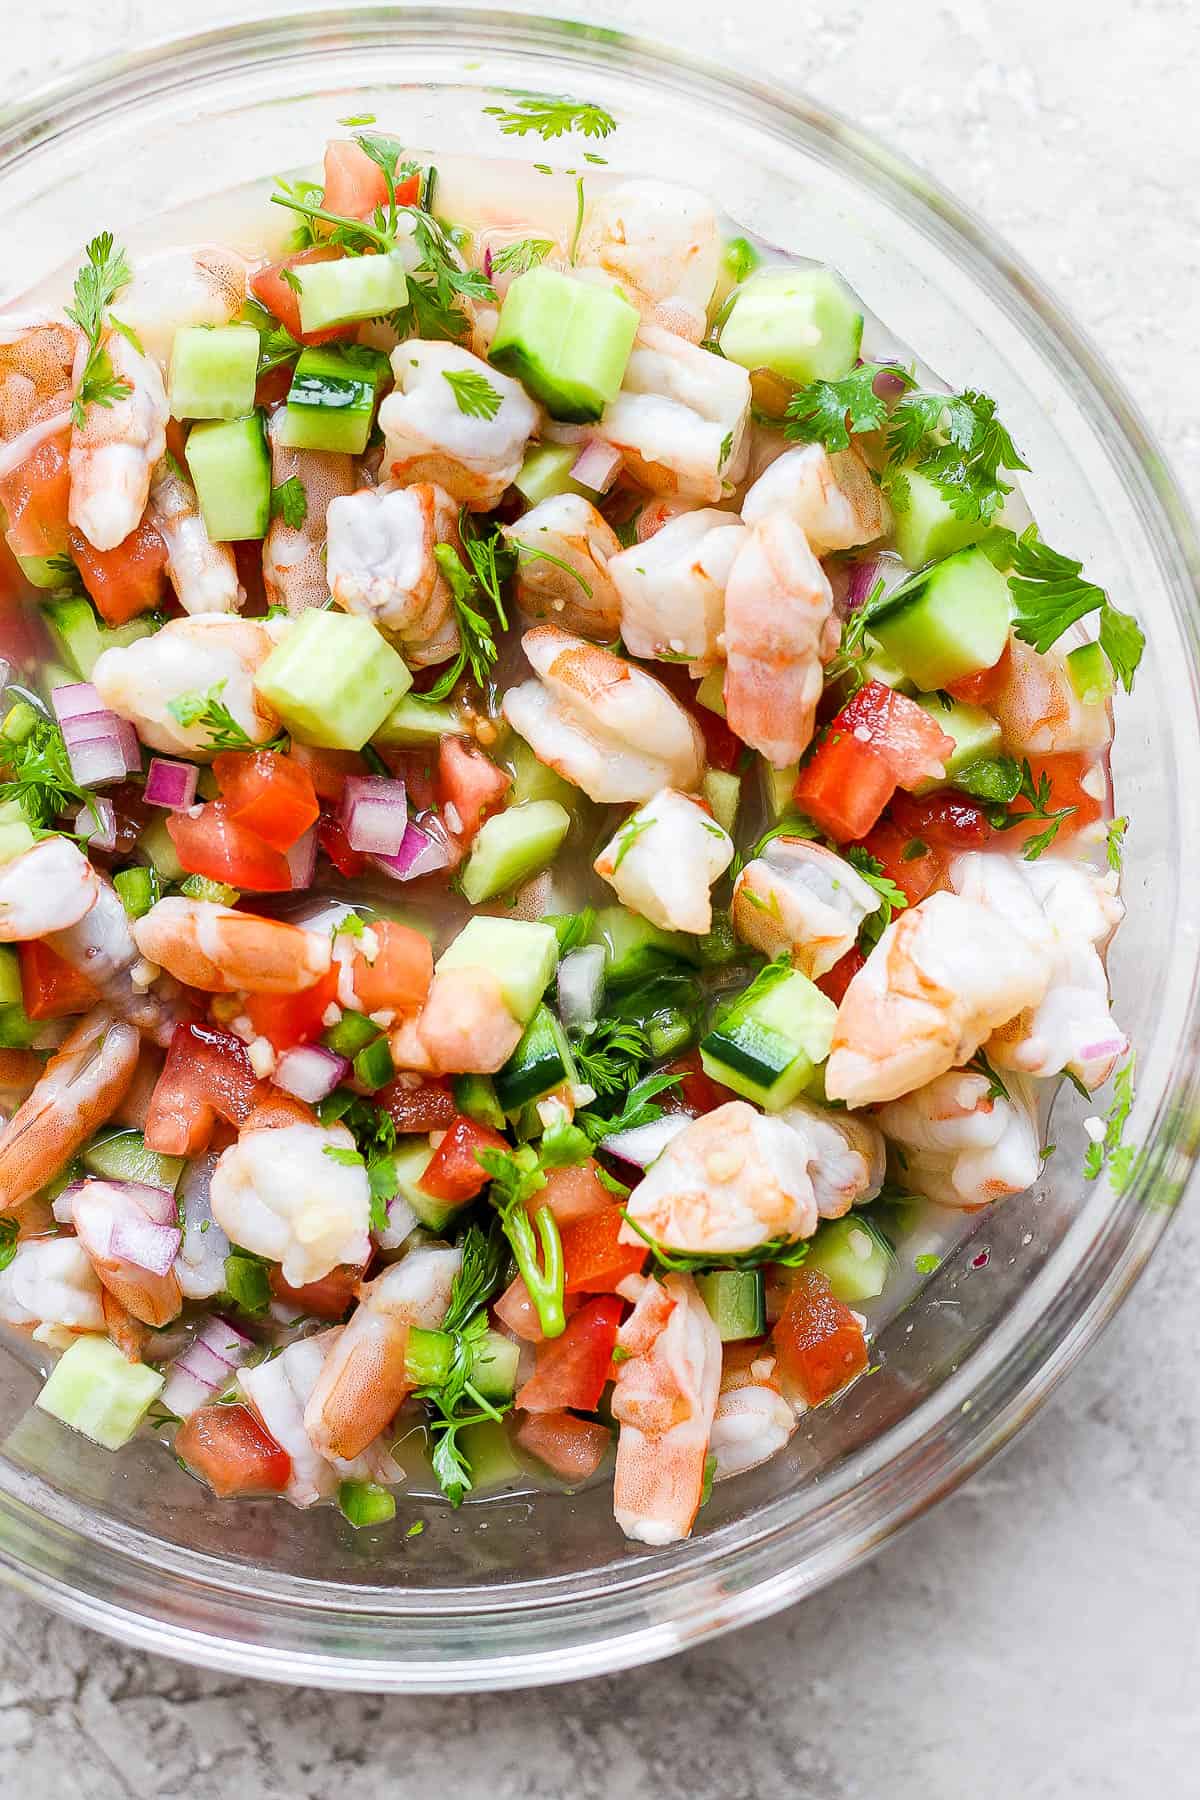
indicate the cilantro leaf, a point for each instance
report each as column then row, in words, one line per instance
column 209, row 710
column 1052, row 594
column 1112, row 1153
column 289, row 502
column 519, row 258
column 473, row 393
column 639, row 1108
column 958, row 442
column 609, row 1058
column 891, row 898
column 628, row 836
column 484, row 1255
column 105, row 272
column 576, row 930
column 1037, row 796
column 41, row 780
column 552, row 116
column 477, row 639
column 534, row 554
column 10, row 1231
column 1114, row 841
column 818, row 413
column 981, row 1065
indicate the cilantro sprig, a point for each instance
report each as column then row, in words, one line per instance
column 520, row 257
column 289, row 502
column 551, row 116
column 826, row 412
column 610, row 1057
column 473, row 393
column 1111, row 1152
column 998, row 781
column 959, row 443
column 209, row 711
column 103, row 275
column 41, row 781
column 891, row 898
column 1051, row 594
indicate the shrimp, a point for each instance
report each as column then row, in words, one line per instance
column 580, row 596
column 680, row 418
column 294, row 573
column 188, row 656
column 276, row 1192
column 831, row 496
column 102, row 947
column 660, row 244
column 1039, row 711
column 798, row 897
column 19, row 1071
column 672, row 588
column 753, row 1421
column 278, row 1390
column 965, row 1146
column 464, row 1027
column 198, row 284
column 429, row 437
column 381, row 564
column 37, row 357
column 601, row 722
column 779, row 633
column 82, row 1085
column 940, row 980
column 125, row 1231
column 115, row 450
column 664, row 1401
column 363, row 1383
column 732, row 1180
column 664, row 859
column 47, row 888
column 847, row 1156
column 222, row 951
column 203, row 574
column 51, row 1284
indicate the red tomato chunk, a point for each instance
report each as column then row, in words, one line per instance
column 572, row 1369
column 271, row 795
column 844, row 787
column 819, row 1342
column 229, row 1448
column 594, row 1260
column 454, row 1173
column 215, row 844
column 573, row 1448
column 206, row 1076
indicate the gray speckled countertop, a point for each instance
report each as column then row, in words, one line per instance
column 1039, row 1634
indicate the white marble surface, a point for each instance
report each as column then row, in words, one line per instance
column 1039, row 1634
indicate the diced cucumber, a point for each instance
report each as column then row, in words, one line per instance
column 331, row 401
column 412, row 1157
column 230, row 465
column 546, row 472
column 139, row 889
column 511, row 845
column 566, row 340
column 667, row 1008
column 489, row 1455
column 19, row 721
column 778, row 788
column 975, row 732
column 947, row 622
column 532, row 780
column 373, row 1066
column 81, row 637
column 723, row 792
column 854, row 1255
column 11, row 991
column 349, row 288
column 333, row 679
column 803, row 323
column 96, row 1391
column 541, row 1062
column 156, row 845
column 213, row 372
column 17, row 1029
column 736, row 1302
column 634, row 948
column 16, row 835
column 475, row 1095
column 877, row 665
column 521, row 953
column 768, row 1043
column 352, row 1033
column 41, row 571
column 928, row 527
column 203, row 887
column 494, row 1370
column 364, row 1503
column 1091, row 674
column 415, row 721
column 428, row 1356
column 123, row 1156
column 711, row 692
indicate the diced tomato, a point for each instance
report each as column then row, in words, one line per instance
column 398, row 979
column 819, row 1342
column 1065, row 774
column 425, row 1106
column 594, row 1260
column 980, row 689
column 844, row 787
column 267, row 792
column 948, row 821
column 572, row 1193
column 207, row 1075
column 835, row 981
column 329, row 1298
column 34, row 497
column 273, row 386
column 231, row 1449
column 126, row 581
column 573, row 1448
column 328, row 770
column 214, row 844
column 355, row 186
column 50, row 987
column 453, row 1173
column 331, row 836
column 696, row 1092
column 273, row 1110
column 286, row 1020
column 912, row 864
column 269, row 287
column 515, row 1309
column 572, row 1369
column 910, row 740
column 470, row 782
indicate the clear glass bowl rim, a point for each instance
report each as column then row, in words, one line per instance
column 385, row 1640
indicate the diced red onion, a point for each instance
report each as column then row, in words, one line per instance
column 206, row 1365
column 861, row 578
column 157, row 1203
column 580, row 986
column 888, row 386
column 420, row 854
column 374, row 814
column 597, row 466
column 76, row 701
column 645, row 1143
column 302, row 859
column 1113, row 1046
column 401, row 1221
column 102, row 836
column 310, row 1072
column 63, row 1206
column 100, row 746
column 487, row 263
column 136, row 1240
column 171, row 784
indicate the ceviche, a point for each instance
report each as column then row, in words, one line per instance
column 555, row 833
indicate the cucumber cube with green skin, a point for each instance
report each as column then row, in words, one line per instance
column 541, row 1062
column 711, row 692
column 736, row 1302
column 230, row 466
column 489, row 1455
column 927, row 527
column 723, row 792
column 350, row 288
column 879, row 666
column 532, row 780
column 11, row 992
column 333, row 680
column 511, row 845
column 331, row 401
column 566, row 341
column 17, row 1029
column 546, row 473
column 494, row 1369
column 213, row 372
column 96, row 1391
column 778, row 787
column 40, row 572
column 414, row 722
column 475, row 1095
column 1091, row 674
column 123, row 1156
column 974, row 731
column 635, row 948
column 521, row 953
column 16, row 835
column 156, row 845
column 802, row 323
column 412, row 1157
column 855, row 1257
column 948, row 622
column 82, row 639
column 771, row 1039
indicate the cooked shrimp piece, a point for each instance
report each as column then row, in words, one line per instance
column 580, row 596
column 847, row 1156
column 753, row 1421
column 196, row 284
column 80, row 1088
column 672, row 588
column 381, row 565
column 19, row 1071
column 51, row 1284
column 114, row 452
column 278, row 1390
column 464, row 1027
column 602, row 723
column 101, row 946
column 222, row 951
column 200, row 1265
column 128, row 1232
column 203, row 574
column 680, row 418
column 798, row 897
column 940, row 980
column 1039, row 711
column 664, row 1401
column 188, row 656
column 829, row 495
column 664, row 859
column 363, row 1382
column 429, row 437
column 37, row 358
column 732, row 1180
column 294, row 573
column 779, row 634
column 660, row 244
column 962, row 1147
column 46, row 888
column 276, row 1192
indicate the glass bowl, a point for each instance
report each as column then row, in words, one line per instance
column 540, row 1587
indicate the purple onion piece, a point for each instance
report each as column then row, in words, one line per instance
column 310, row 1072
column 77, row 700
column 421, row 853
column 171, row 784
column 374, row 814
column 302, row 859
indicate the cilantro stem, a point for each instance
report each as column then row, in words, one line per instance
column 543, row 1279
